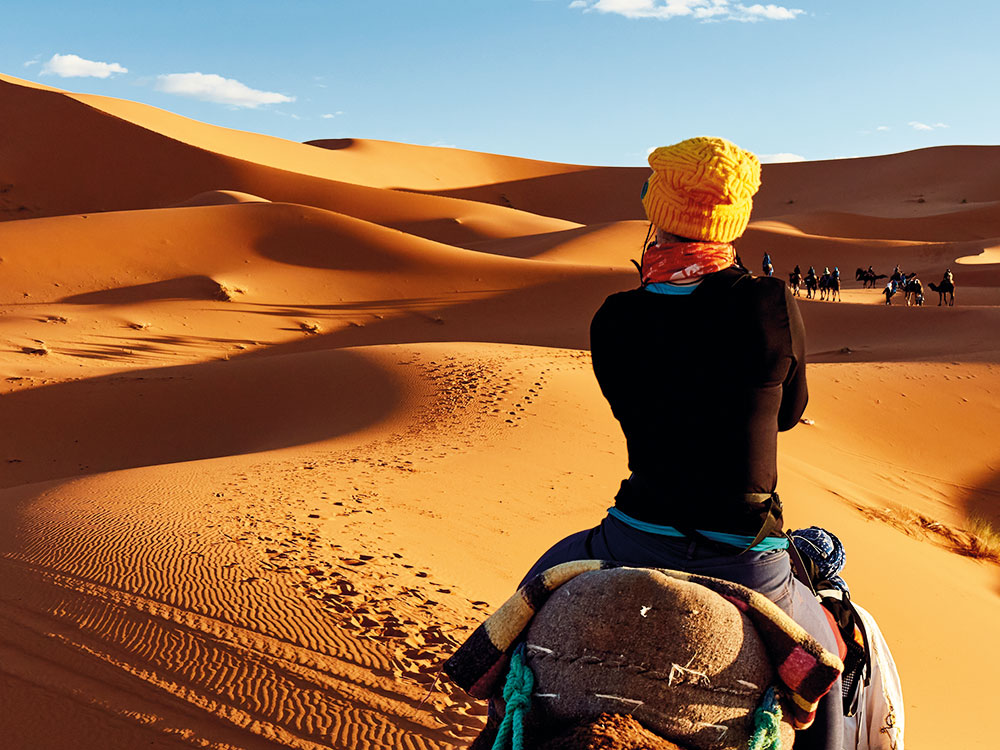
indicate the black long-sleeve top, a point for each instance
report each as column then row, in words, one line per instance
column 701, row 385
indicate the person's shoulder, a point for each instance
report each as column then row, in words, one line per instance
column 619, row 302
column 757, row 287
column 625, row 297
column 763, row 296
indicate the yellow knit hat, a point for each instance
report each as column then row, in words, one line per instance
column 701, row 188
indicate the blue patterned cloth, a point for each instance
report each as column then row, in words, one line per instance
column 824, row 549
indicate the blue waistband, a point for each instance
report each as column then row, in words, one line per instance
column 734, row 540
column 665, row 287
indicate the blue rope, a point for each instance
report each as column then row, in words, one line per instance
column 517, row 695
column 767, row 723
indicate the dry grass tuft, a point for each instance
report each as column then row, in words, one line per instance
column 226, row 293
column 980, row 540
column 986, row 535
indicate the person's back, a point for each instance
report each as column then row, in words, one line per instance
column 726, row 381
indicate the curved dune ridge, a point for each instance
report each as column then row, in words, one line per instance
column 220, row 198
column 285, row 421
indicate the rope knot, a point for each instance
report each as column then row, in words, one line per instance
column 517, row 695
column 767, row 723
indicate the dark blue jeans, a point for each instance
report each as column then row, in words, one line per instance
column 770, row 573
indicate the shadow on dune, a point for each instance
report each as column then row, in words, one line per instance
column 594, row 195
column 557, row 313
column 184, row 287
column 189, row 412
column 984, row 501
column 533, row 245
column 552, row 314
column 331, row 144
column 844, row 332
column 337, row 243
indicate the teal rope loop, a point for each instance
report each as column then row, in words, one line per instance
column 517, row 695
column 767, row 723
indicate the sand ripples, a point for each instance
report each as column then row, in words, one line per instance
column 133, row 613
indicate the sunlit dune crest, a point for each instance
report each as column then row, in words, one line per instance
column 285, row 421
column 989, row 256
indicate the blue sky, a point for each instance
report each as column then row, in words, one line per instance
column 590, row 81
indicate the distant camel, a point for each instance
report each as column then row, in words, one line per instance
column 945, row 288
column 868, row 278
column 794, row 280
column 913, row 291
column 834, row 286
column 811, row 283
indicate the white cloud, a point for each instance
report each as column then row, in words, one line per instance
column 882, row 128
column 766, row 13
column 701, row 9
column 780, row 158
column 923, row 126
column 330, row 116
column 74, row 66
column 214, row 88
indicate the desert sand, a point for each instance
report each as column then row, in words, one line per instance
column 283, row 422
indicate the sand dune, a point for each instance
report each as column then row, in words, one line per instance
column 961, row 224
column 54, row 170
column 285, row 421
column 912, row 184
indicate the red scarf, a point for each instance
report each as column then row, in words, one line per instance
column 685, row 261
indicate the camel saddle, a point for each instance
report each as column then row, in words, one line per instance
column 674, row 655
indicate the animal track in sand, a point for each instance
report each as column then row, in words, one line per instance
column 315, row 521
column 380, row 598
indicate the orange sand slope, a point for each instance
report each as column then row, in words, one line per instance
column 285, row 421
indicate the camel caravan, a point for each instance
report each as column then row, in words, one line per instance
column 827, row 285
column 913, row 288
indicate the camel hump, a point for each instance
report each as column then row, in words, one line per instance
column 675, row 655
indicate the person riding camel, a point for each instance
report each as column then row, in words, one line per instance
column 824, row 283
column 795, row 279
column 946, row 289
column 702, row 364
column 811, row 282
column 835, row 284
